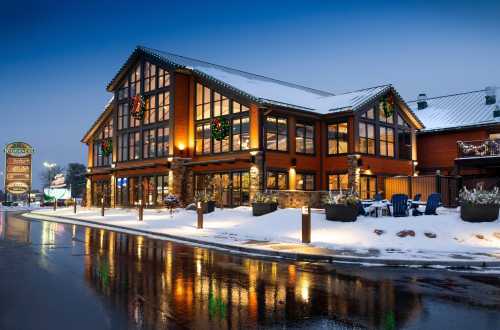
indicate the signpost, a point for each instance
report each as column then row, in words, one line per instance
column 18, row 160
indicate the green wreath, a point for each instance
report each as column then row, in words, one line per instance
column 107, row 147
column 138, row 107
column 387, row 105
column 220, row 128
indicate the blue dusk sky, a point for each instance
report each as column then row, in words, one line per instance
column 58, row 56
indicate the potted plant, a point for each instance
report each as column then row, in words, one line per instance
column 207, row 200
column 264, row 203
column 479, row 205
column 341, row 206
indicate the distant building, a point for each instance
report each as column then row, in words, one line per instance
column 461, row 134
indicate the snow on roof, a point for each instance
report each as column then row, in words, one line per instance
column 273, row 91
column 456, row 111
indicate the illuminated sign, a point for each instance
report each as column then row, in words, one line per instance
column 18, row 167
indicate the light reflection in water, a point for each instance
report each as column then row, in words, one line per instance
column 159, row 279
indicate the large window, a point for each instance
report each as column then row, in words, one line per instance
column 366, row 138
column 203, row 137
column 134, row 145
column 150, row 113
column 304, row 181
column 338, row 182
column 123, row 116
column 162, row 141
column 276, row 133
column 149, row 144
column 104, row 135
column 404, row 139
column 163, row 106
column 149, row 77
column 277, row 180
column 123, row 90
column 211, row 104
column 135, row 81
column 304, row 138
column 386, row 141
column 241, row 136
column 367, row 187
column 235, row 186
column 338, row 138
column 163, row 78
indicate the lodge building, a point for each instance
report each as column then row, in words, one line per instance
column 175, row 124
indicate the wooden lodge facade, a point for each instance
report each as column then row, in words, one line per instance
column 461, row 136
column 175, row 123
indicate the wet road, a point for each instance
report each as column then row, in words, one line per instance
column 56, row 276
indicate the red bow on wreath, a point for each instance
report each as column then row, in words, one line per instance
column 138, row 107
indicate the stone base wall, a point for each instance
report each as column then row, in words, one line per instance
column 296, row 199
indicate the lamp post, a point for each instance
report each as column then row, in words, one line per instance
column 199, row 211
column 306, row 224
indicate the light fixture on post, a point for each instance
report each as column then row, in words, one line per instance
column 199, row 211
column 306, row 224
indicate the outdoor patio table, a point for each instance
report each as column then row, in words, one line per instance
column 379, row 207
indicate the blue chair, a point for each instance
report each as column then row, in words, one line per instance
column 399, row 205
column 432, row 204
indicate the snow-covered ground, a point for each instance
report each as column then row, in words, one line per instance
column 443, row 237
column 19, row 208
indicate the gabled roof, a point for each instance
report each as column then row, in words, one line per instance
column 107, row 110
column 457, row 111
column 262, row 90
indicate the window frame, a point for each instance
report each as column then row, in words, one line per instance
column 305, row 138
column 328, row 139
column 277, row 130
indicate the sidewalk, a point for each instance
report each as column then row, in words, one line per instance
column 442, row 240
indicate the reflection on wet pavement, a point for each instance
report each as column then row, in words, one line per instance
column 158, row 284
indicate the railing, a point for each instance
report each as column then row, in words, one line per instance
column 478, row 148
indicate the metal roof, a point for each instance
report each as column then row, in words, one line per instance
column 261, row 89
column 457, row 111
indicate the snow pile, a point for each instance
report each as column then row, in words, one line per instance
column 19, row 208
column 444, row 233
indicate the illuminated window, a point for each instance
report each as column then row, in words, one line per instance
column 150, row 113
column 304, row 181
column 367, row 187
column 163, row 78
column 277, row 180
column 386, row 141
column 149, row 77
column 338, row 138
column 149, row 144
column 241, row 136
column 276, row 133
column 304, row 138
column 135, row 81
column 163, row 141
column 338, row 182
column 366, row 138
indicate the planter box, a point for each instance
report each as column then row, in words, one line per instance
column 479, row 213
column 340, row 212
column 263, row 208
column 209, row 207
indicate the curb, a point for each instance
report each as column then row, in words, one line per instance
column 295, row 256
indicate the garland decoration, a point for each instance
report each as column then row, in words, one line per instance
column 220, row 128
column 107, row 147
column 138, row 107
column 486, row 148
column 387, row 105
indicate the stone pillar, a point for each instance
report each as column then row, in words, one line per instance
column 88, row 192
column 112, row 199
column 180, row 180
column 256, row 174
column 353, row 172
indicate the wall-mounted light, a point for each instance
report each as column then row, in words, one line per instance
column 113, row 165
column 181, row 147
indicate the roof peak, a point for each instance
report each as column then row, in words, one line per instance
column 144, row 48
column 454, row 94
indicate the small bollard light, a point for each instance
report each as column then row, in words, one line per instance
column 306, row 224
column 102, row 206
column 199, row 211
column 141, row 211
column 74, row 205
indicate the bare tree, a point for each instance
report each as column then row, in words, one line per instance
column 48, row 174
